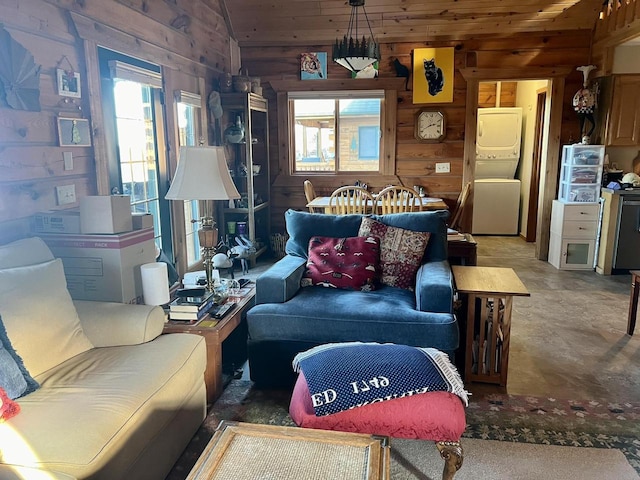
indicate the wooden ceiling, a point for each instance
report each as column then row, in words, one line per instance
column 311, row 22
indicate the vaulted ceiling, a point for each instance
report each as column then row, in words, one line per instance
column 308, row 22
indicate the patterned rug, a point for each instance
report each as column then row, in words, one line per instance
column 508, row 418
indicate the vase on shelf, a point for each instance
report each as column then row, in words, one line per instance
column 235, row 133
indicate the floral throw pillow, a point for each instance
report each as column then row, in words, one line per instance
column 401, row 252
column 347, row 263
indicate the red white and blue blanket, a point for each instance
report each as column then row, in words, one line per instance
column 342, row 376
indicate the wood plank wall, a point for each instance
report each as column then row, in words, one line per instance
column 189, row 39
column 415, row 162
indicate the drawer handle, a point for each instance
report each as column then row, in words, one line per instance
column 581, row 228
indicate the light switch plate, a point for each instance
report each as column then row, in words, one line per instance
column 443, row 167
column 68, row 160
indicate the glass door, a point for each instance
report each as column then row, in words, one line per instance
column 138, row 165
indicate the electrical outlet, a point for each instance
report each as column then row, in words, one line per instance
column 443, row 167
column 66, row 194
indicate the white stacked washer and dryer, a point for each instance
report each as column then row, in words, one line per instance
column 496, row 197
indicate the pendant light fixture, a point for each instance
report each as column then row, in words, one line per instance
column 351, row 52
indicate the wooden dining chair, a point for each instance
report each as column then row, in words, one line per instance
column 398, row 199
column 351, row 199
column 456, row 215
column 310, row 194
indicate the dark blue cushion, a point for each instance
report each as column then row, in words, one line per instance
column 324, row 315
column 14, row 377
column 301, row 226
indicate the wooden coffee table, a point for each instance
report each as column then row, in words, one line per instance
column 240, row 451
column 214, row 335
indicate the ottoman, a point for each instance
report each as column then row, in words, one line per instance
column 437, row 416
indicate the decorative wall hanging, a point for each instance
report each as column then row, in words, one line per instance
column 313, row 66
column 74, row 132
column 68, row 83
column 585, row 102
column 19, row 75
column 433, row 75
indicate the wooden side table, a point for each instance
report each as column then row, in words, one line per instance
column 214, row 335
column 633, row 301
column 490, row 292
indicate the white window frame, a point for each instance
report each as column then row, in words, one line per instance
column 388, row 98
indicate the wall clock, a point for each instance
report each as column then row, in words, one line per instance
column 430, row 126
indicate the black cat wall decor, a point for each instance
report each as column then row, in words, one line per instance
column 402, row 71
column 434, row 76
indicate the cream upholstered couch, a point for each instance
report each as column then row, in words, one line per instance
column 116, row 399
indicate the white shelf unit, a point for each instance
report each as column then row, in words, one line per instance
column 574, row 229
column 581, row 173
column 575, row 216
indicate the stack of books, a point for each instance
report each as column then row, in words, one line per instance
column 191, row 309
column 455, row 236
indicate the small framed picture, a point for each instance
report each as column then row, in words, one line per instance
column 68, row 83
column 313, row 66
column 74, row 132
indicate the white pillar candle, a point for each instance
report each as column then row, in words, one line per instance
column 155, row 283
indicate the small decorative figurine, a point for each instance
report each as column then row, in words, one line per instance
column 585, row 102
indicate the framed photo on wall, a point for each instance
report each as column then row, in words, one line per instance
column 313, row 66
column 433, row 75
column 74, row 132
column 68, row 83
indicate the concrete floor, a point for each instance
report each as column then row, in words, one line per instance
column 568, row 340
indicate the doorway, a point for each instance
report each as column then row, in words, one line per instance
column 508, row 204
column 554, row 78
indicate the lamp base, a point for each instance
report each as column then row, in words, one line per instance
column 208, row 237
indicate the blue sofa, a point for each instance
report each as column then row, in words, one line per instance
column 288, row 319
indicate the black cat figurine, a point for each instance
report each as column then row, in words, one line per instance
column 402, row 71
column 435, row 78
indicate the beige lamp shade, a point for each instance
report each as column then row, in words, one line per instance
column 202, row 174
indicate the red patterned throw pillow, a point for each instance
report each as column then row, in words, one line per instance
column 8, row 408
column 401, row 252
column 348, row 263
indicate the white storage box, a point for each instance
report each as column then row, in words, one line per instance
column 142, row 220
column 57, row 221
column 105, row 214
column 104, row 267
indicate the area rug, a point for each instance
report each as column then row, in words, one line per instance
column 507, row 427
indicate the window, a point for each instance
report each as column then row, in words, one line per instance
column 189, row 135
column 134, row 119
column 337, row 132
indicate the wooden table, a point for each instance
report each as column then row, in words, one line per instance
column 462, row 252
column 240, row 451
column 428, row 203
column 633, row 301
column 214, row 336
column 489, row 292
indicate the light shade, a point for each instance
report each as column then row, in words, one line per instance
column 202, row 174
column 352, row 52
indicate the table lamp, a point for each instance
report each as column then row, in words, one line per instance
column 203, row 174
